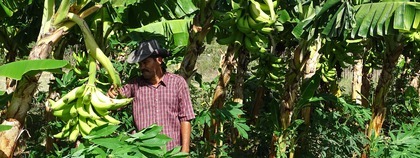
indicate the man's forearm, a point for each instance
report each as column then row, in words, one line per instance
column 185, row 136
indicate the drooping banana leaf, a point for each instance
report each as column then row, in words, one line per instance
column 176, row 31
column 383, row 17
column 369, row 19
column 16, row 70
column 135, row 14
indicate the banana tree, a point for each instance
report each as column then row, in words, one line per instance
column 202, row 24
column 52, row 30
column 388, row 21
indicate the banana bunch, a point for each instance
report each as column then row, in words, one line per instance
column 256, row 43
column 83, row 109
column 81, row 63
column 254, row 22
column 328, row 74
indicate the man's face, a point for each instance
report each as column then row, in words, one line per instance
column 149, row 67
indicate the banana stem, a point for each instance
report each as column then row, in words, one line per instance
column 92, row 71
column 94, row 49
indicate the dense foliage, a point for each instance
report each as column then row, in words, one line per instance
column 275, row 90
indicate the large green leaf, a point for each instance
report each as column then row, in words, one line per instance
column 16, row 70
column 308, row 90
column 176, row 30
column 384, row 17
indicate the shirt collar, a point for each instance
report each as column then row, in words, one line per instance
column 165, row 79
column 163, row 82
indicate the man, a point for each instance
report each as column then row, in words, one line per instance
column 160, row 97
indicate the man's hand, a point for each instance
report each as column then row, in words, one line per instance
column 113, row 92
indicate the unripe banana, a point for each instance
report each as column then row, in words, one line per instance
column 101, row 101
column 92, row 112
column 83, row 126
column 81, row 109
column 249, row 45
column 266, row 30
column 271, row 7
column 69, row 97
column 111, row 120
column 243, row 24
column 274, row 77
column 258, row 14
column 101, row 122
column 254, row 25
column 74, row 133
column 65, row 131
column 265, row 7
column 91, row 123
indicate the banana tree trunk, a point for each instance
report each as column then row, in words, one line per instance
column 20, row 103
column 357, row 81
column 258, row 103
column 238, row 90
column 384, row 83
column 310, row 69
column 289, row 98
column 366, row 82
column 227, row 66
column 196, row 44
column 414, row 81
column 22, row 97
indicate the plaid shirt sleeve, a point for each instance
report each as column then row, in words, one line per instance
column 186, row 111
column 127, row 89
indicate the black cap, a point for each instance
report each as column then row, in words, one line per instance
column 147, row 49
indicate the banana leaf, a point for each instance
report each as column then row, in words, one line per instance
column 175, row 30
column 384, row 17
column 16, row 70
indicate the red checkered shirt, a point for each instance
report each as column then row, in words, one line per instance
column 165, row 105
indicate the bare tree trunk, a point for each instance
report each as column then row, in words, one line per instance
column 357, row 81
column 227, row 66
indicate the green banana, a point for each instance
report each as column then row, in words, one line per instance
column 243, row 24
column 255, row 25
column 249, row 45
column 81, row 109
column 265, row 7
column 258, row 14
column 74, row 133
column 69, row 97
column 65, row 131
column 229, row 39
column 111, row 120
column 270, row 5
column 274, row 77
column 103, row 102
column 101, row 122
column 92, row 112
column 267, row 30
column 83, row 126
